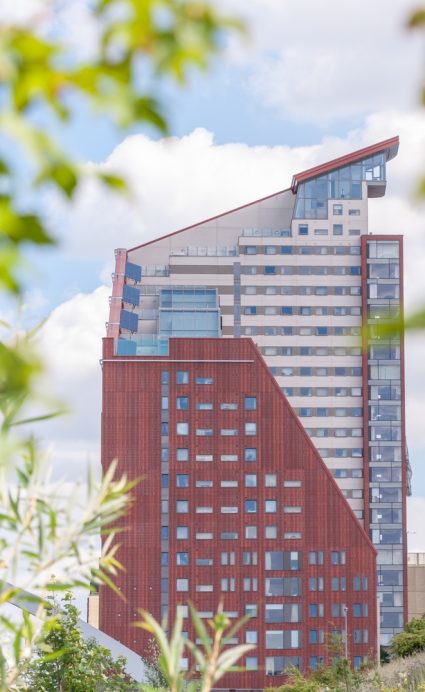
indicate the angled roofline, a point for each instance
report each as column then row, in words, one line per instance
column 390, row 146
column 212, row 218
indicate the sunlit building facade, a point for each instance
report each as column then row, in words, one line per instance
column 298, row 273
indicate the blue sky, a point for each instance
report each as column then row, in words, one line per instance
column 316, row 79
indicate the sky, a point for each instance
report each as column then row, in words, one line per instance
column 315, row 80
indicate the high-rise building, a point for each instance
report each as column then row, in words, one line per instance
column 299, row 273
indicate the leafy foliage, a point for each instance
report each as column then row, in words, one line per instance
column 43, row 527
column 411, row 640
column 66, row 662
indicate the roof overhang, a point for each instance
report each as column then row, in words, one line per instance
column 389, row 147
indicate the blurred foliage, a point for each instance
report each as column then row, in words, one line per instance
column 45, row 527
column 139, row 41
column 66, row 661
column 212, row 660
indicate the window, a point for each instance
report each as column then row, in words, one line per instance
column 283, row 586
column 164, row 559
column 182, row 584
column 182, row 559
column 282, row 560
column 204, row 587
column 251, row 454
column 204, row 380
column 302, row 229
column 292, row 510
column 164, row 480
column 164, row 533
column 249, row 558
column 251, row 637
column 270, row 480
column 283, row 639
column 286, row 310
column 164, row 403
column 250, row 480
column 182, row 454
column 337, row 229
column 182, row 428
column 228, row 407
column 250, row 310
column 250, row 250
column 270, row 506
column 250, row 428
column 229, row 457
column 228, row 484
column 270, row 532
column 204, row 432
column 182, row 377
column 229, row 536
column 182, row 532
column 182, row 506
column 204, row 536
column 250, row 532
column 182, row 403
column 204, row 484
column 227, row 558
column 204, row 406
column 251, row 506
column 251, row 663
column 269, row 269
column 182, row 480
column 337, row 209
column 250, row 403
column 292, row 484
column 251, row 610
column 278, row 612
column 228, row 432
column 228, row 510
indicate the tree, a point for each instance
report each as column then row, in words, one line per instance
column 411, row 640
column 73, row 664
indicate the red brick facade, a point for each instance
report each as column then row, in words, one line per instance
column 305, row 502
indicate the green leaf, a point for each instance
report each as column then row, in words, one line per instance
column 20, row 228
column 113, row 181
column 416, row 19
column 61, row 173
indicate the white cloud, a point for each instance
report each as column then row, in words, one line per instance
column 318, row 62
column 71, row 345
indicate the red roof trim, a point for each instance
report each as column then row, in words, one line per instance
column 387, row 144
column 212, row 218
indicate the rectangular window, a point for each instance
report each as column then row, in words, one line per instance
column 204, row 380
column 182, row 559
column 204, row 406
column 182, row 377
column 250, row 428
column 337, row 229
column 182, row 428
column 182, row 506
column 302, row 229
column 182, row 403
column 250, row 403
column 182, row 454
column 182, row 532
column 250, row 454
column 182, row 480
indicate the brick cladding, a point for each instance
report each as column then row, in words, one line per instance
column 131, row 432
